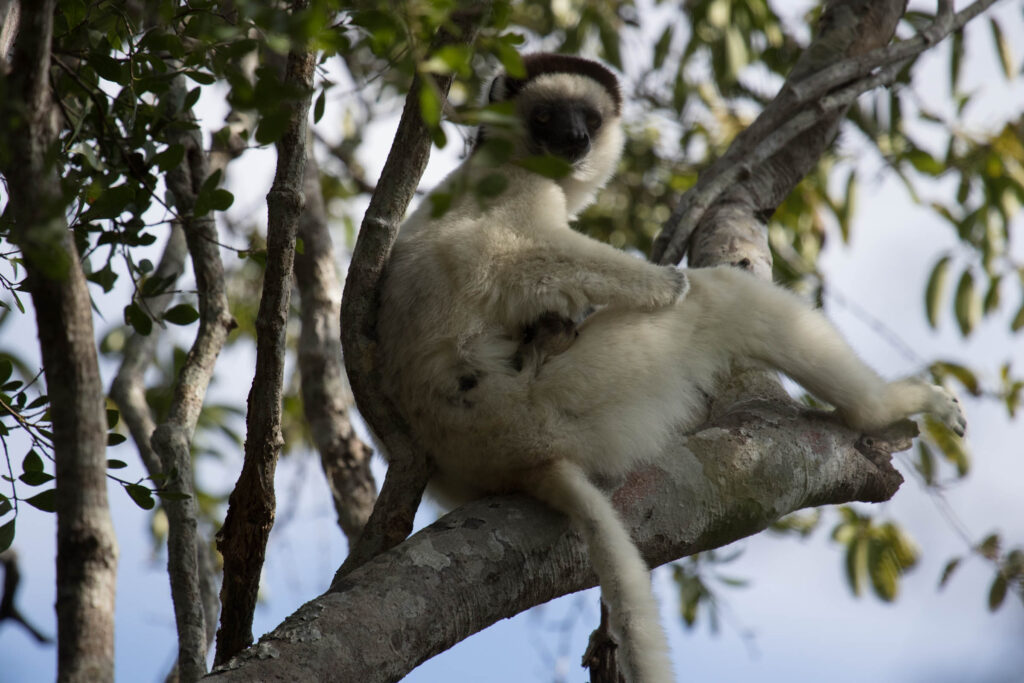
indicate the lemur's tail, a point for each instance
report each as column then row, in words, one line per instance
column 625, row 579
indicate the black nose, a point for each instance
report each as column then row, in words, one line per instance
column 565, row 134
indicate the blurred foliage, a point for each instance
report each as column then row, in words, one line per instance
column 700, row 581
column 127, row 74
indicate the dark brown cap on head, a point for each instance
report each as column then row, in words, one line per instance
column 541, row 63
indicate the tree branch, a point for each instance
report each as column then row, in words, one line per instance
column 846, row 59
column 326, row 396
column 171, row 441
column 243, row 538
column 409, row 468
column 497, row 557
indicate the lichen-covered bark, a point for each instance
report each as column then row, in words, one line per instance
column 86, row 545
column 497, row 557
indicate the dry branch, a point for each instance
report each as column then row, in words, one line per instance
column 243, row 538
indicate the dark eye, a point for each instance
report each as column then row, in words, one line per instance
column 542, row 115
column 593, row 120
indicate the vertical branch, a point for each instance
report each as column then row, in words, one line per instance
column 86, row 545
column 325, row 392
column 128, row 390
column 172, row 440
column 409, row 469
column 243, row 538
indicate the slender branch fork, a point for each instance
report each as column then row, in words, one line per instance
column 799, row 106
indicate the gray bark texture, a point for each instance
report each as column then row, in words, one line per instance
column 171, row 441
column 86, row 545
column 243, row 538
column 326, row 397
column 497, row 557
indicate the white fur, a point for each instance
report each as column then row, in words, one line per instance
column 460, row 289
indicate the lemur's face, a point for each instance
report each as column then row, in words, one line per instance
column 565, row 115
column 565, row 129
column 568, row 106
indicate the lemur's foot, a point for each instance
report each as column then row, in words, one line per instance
column 946, row 407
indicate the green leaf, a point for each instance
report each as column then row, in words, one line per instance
column 110, row 204
column 440, row 202
column 170, row 157
column 112, row 417
column 191, row 98
column 662, row 46
column 492, row 185
column 318, row 106
column 114, row 439
column 1003, row 50
column 943, row 369
column 35, row 478
column 967, row 304
column 991, row 301
column 104, row 277
column 142, row 496
column 548, row 166
column 6, row 369
column 221, row 199
column 450, row 59
column 883, row 570
column 430, row 104
column 45, row 501
column 5, row 505
column 510, row 58
column 201, row 77
column 947, row 572
column 935, row 290
column 116, row 464
column 997, row 593
column 856, row 564
column 172, row 495
column 926, row 163
column 956, row 56
column 138, row 319
column 6, row 535
column 989, row 547
column 32, row 462
column 182, row 314
column 925, row 462
column 272, row 125
column 1018, row 320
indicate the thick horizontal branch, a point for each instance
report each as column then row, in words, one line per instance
column 497, row 557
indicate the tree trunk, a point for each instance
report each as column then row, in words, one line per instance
column 86, row 546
